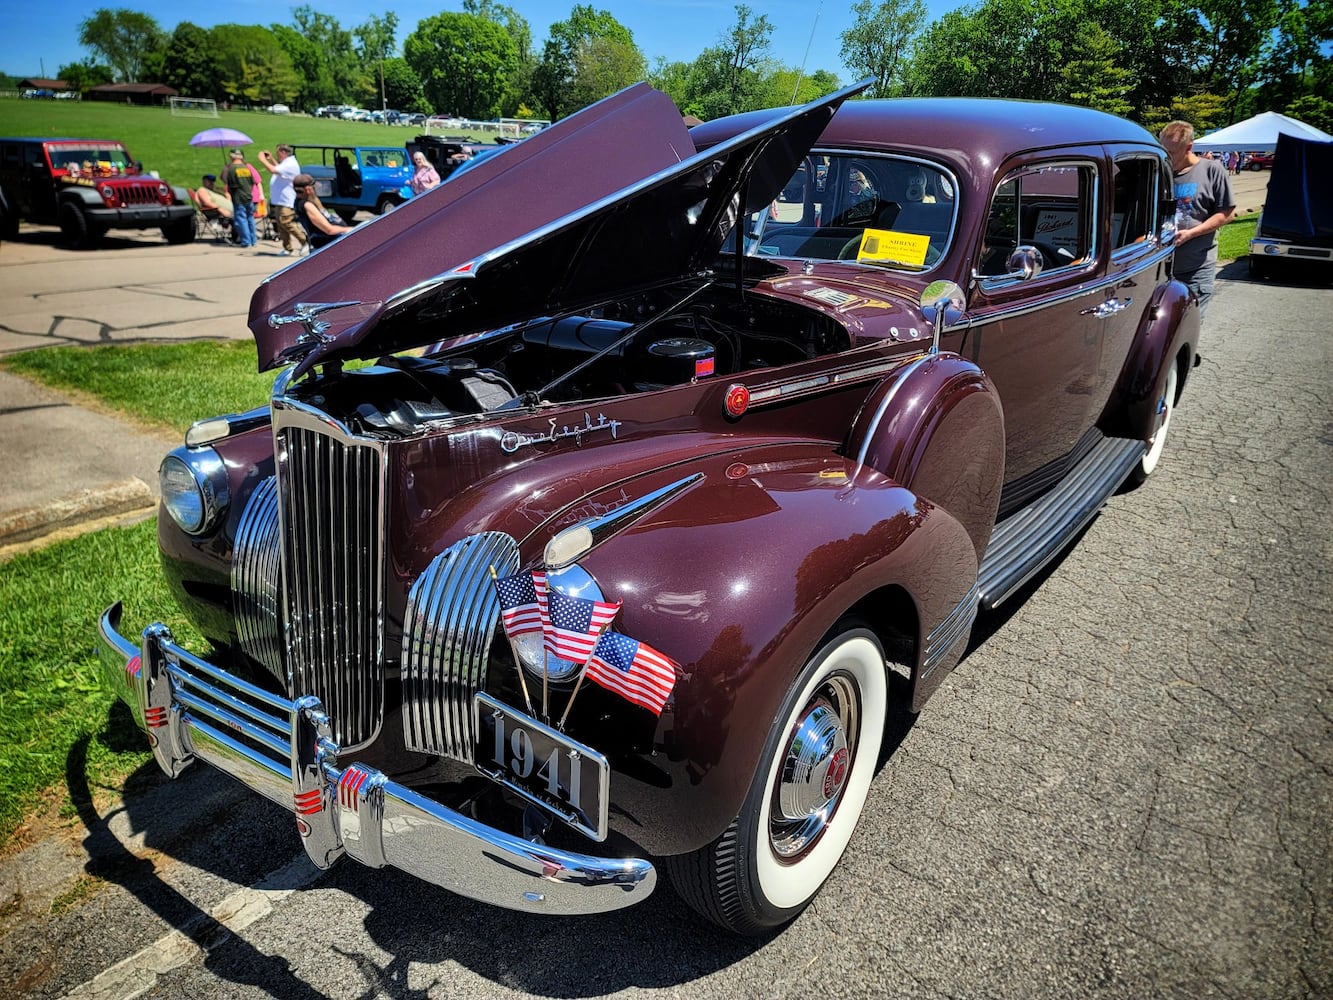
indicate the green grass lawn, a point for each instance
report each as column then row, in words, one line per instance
column 1233, row 239
column 162, row 142
column 162, row 386
column 51, row 699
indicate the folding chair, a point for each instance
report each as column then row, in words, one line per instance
column 209, row 223
column 266, row 227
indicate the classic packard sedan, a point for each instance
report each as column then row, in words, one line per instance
column 605, row 489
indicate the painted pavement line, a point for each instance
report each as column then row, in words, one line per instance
column 139, row 973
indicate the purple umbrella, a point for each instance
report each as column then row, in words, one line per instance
column 222, row 138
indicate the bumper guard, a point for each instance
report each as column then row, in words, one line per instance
column 190, row 709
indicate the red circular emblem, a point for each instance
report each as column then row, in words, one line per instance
column 737, row 470
column 738, row 400
column 836, row 773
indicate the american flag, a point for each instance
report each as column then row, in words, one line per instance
column 633, row 670
column 571, row 624
column 518, row 605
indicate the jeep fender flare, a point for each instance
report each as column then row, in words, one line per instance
column 1168, row 330
column 81, row 196
column 738, row 579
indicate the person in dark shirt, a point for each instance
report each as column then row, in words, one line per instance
column 1204, row 204
column 240, row 180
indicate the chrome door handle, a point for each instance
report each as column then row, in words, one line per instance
column 1109, row 308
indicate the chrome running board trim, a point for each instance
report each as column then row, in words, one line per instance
column 355, row 809
column 1024, row 542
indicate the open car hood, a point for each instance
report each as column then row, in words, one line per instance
column 1299, row 206
column 611, row 199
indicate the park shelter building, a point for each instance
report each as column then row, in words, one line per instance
column 132, row 93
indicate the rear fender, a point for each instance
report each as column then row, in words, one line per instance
column 936, row 427
column 1168, row 328
column 738, row 579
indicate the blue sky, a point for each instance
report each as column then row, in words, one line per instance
column 44, row 36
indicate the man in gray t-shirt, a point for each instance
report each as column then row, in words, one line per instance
column 1204, row 204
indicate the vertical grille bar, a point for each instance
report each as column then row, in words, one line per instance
column 452, row 615
column 256, row 579
column 332, row 527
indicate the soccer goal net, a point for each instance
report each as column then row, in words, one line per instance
column 194, row 107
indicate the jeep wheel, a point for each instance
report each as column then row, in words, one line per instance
column 180, row 231
column 386, row 205
column 9, row 224
column 74, row 225
column 806, row 797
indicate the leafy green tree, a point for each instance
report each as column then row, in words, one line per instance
column 339, row 61
column 1235, row 33
column 879, row 40
column 255, row 69
column 745, row 45
column 189, row 62
column 553, row 79
column 519, row 88
column 1316, row 111
column 464, row 62
column 402, row 87
column 314, row 74
column 376, row 36
column 83, row 75
column 1096, row 80
column 603, row 66
column 123, row 38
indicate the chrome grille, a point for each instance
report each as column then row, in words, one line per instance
column 332, row 527
column 256, row 579
column 452, row 613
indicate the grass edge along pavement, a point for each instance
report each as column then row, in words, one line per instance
column 50, row 696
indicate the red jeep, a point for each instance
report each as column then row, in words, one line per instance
column 86, row 186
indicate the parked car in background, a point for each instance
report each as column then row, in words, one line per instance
column 86, row 187
column 1295, row 229
column 352, row 179
column 279, row 109
column 1259, row 161
column 648, row 503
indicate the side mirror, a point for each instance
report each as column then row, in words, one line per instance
column 1025, row 262
column 937, row 299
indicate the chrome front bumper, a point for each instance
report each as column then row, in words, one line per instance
column 285, row 751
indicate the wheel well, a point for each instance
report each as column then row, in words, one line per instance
column 1185, row 365
column 890, row 613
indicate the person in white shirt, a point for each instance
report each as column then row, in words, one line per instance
column 282, row 196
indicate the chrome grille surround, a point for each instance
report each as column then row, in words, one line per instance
column 256, row 580
column 332, row 514
column 452, row 612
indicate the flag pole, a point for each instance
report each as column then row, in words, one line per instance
column 513, row 649
column 582, row 674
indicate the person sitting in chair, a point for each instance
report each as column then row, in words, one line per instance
column 210, row 199
column 320, row 230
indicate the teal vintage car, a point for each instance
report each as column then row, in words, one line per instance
column 351, row 179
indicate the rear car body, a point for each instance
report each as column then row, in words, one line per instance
column 1295, row 229
column 775, row 406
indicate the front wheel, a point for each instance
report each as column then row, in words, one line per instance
column 806, row 796
column 73, row 225
column 179, row 231
column 386, row 205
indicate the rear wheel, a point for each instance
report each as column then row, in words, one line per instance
column 1258, row 267
column 806, row 796
column 9, row 224
column 1148, row 463
column 386, row 205
column 73, row 225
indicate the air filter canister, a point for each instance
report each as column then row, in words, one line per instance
column 679, row 359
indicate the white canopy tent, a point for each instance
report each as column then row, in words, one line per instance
column 1258, row 133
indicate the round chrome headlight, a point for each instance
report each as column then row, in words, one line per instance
column 573, row 581
column 194, row 488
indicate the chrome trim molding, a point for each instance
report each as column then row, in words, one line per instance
column 256, row 580
column 452, row 612
column 283, row 749
column 884, row 405
column 955, row 626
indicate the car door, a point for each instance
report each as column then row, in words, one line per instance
column 1033, row 333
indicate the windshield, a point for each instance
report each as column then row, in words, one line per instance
column 891, row 211
column 90, row 159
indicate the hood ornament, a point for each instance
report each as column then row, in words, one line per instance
column 305, row 313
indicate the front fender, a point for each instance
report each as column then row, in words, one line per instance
column 1168, row 328
column 739, row 579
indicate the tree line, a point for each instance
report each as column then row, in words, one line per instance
column 1208, row 61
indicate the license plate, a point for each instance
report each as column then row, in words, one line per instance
column 543, row 766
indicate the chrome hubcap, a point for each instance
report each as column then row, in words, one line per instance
column 816, row 763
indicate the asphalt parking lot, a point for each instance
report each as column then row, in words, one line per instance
column 1124, row 789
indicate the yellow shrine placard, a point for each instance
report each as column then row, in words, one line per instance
column 885, row 244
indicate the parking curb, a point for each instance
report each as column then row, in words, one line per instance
column 128, row 496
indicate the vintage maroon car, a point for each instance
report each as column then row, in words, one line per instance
column 604, row 561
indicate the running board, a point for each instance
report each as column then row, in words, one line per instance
column 1027, row 540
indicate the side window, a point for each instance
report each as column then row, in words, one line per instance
column 1049, row 206
column 1135, row 194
